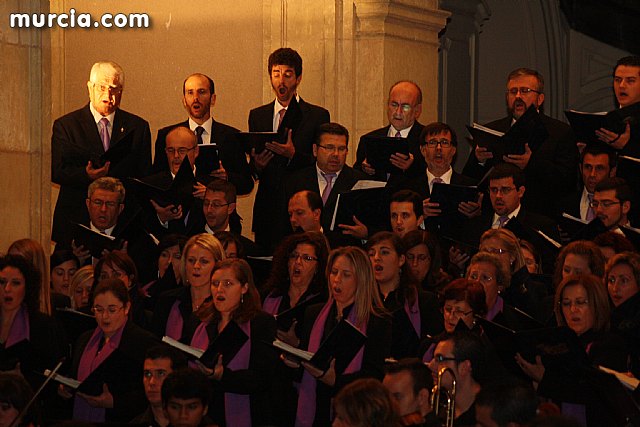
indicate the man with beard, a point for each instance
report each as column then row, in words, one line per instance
column 626, row 85
column 549, row 165
column 274, row 165
column 404, row 107
column 221, row 155
column 612, row 200
column 81, row 137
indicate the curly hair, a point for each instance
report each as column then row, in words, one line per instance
column 584, row 248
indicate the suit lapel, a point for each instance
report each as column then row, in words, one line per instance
column 90, row 130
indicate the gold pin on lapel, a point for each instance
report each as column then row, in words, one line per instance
column 121, row 129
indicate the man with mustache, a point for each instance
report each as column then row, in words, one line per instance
column 81, row 137
column 549, row 166
column 626, row 85
column 220, row 155
column 274, row 165
column 404, row 107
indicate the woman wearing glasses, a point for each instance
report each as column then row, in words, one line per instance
column 115, row 349
column 415, row 314
column 243, row 383
column 424, row 260
column 521, row 291
column 297, row 276
column 581, row 304
column 174, row 312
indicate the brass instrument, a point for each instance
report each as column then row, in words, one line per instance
column 450, row 405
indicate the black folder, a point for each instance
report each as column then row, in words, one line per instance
column 116, row 153
column 584, row 124
column 208, row 151
column 75, row 322
column 285, row 319
column 633, row 235
column 342, row 344
column 449, row 196
column 291, row 119
column 380, row 148
column 369, row 205
column 94, row 241
column 228, row 343
column 10, row 356
column 575, row 229
column 257, row 140
column 180, row 192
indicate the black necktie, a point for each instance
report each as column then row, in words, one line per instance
column 199, row 131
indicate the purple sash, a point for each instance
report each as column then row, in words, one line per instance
column 413, row 313
column 306, row 411
column 575, row 410
column 19, row 328
column 237, row 407
column 175, row 322
column 497, row 308
column 271, row 304
column 90, row 360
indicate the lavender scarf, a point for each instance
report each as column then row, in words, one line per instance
column 19, row 328
column 175, row 322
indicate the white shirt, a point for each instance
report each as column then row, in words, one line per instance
column 584, row 203
column 496, row 217
column 322, row 181
column 404, row 133
column 206, row 135
column 108, row 231
column 208, row 229
column 276, row 112
column 97, row 117
column 446, row 178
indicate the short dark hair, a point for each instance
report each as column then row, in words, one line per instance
column 511, row 401
column 467, row 290
column 31, row 279
column 60, row 256
column 115, row 286
column 507, row 170
column 519, row 72
column 629, row 61
column 226, row 237
column 186, row 384
column 436, row 128
column 622, row 188
column 418, row 98
column 420, row 373
column 120, row 259
column 331, row 129
column 614, row 240
column 173, row 239
column 163, row 351
column 212, row 87
column 596, row 149
column 467, row 345
column 223, row 186
column 313, row 199
column 408, row 196
column 285, row 56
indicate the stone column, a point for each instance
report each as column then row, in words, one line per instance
column 25, row 100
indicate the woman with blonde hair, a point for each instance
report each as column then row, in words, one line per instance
column 353, row 296
column 80, row 288
column 174, row 313
column 33, row 252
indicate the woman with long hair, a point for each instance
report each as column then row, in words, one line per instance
column 33, row 252
column 415, row 313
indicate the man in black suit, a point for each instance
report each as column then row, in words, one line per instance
column 550, row 165
column 330, row 149
column 221, row 155
column 275, row 164
column 188, row 220
column 612, row 201
column 597, row 162
column 81, row 137
column 626, row 85
column 404, row 107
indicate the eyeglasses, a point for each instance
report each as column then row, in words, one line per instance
column 480, row 277
column 579, row 303
column 421, row 257
column 304, row 257
column 440, row 358
column 332, row 148
column 455, row 312
column 158, row 374
column 100, row 311
column 181, row 151
column 495, row 251
column 405, row 107
column 523, row 90
column 226, row 284
column 604, row 203
column 433, row 143
column 104, row 88
column 100, row 203
column 503, row 190
column 215, row 205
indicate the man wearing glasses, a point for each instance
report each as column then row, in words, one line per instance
column 404, row 107
column 81, row 137
column 550, row 166
column 612, row 202
column 328, row 177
